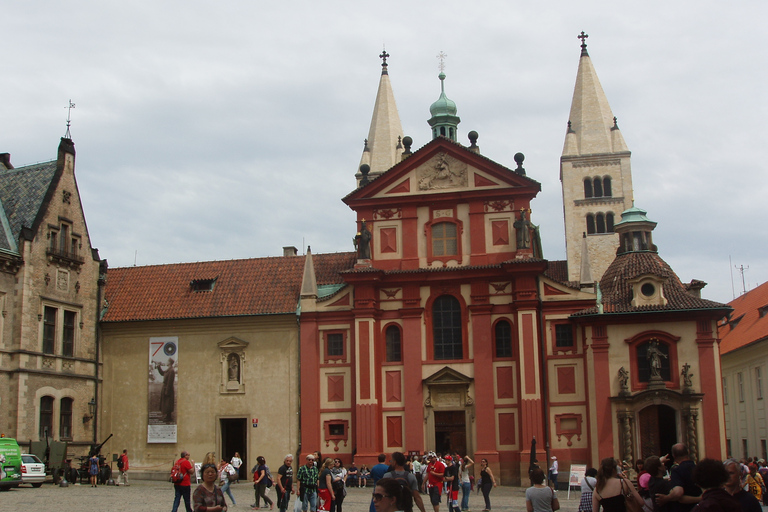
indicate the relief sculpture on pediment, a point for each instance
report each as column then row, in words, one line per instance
column 443, row 172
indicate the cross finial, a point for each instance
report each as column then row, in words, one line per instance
column 442, row 57
column 69, row 118
column 583, row 38
column 384, row 56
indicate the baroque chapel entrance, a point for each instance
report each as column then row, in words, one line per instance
column 449, row 412
column 657, row 425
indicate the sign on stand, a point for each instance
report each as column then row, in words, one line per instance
column 576, row 476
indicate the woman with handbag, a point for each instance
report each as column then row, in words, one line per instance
column 227, row 475
column 262, row 481
column 613, row 490
column 540, row 497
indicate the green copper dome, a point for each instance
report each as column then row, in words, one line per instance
column 443, row 105
column 444, row 120
column 634, row 215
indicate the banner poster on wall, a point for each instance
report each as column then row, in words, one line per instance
column 163, row 381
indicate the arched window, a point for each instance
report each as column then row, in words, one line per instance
column 46, row 417
column 600, row 223
column 503, row 336
column 609, row 222
column 394, row 351
column 444, row 239
column 65, row 419
column 607, row 186
column 446, row 328
column 442, row 131
column 598, row 187
column 590, row 224
column 653, row 356
column 587, row 188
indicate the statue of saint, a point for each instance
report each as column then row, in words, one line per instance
column 234, row 368
column 523, row 231
column 623, row 378
column 363, row 242
column 654, row 355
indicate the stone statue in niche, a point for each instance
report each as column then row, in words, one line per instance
column 234, row 368
column 687, row 378
column 654, row 355
column 523, row 231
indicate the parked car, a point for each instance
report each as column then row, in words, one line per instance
column 32, row 470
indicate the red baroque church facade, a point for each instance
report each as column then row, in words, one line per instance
column 451, row 332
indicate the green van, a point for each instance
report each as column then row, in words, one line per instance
column 10, row 463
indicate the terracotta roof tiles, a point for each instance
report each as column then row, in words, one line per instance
column 749, row 320
column 257, row 286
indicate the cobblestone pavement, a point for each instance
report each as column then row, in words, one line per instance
column 144, row 495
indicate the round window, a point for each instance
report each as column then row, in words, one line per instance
column 648, row 289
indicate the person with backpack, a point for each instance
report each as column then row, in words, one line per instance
column 122, row 466
column 181, row 483
column 409, row 485
column 262, row 480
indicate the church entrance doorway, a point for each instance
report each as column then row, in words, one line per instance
column 234, row 438
column 657, row 425
column 450, row 432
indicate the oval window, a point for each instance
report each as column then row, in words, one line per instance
column 648, row 289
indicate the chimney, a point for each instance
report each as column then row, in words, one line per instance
column 5, row 160
column 290, row 251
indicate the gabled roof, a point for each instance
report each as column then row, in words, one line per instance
column 393, row 177
column 616, row 288
column 751, row 310
column 22, row 194
column 257, row 286
column 557, row 270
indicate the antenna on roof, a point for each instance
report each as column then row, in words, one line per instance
column 742, row 269
column 69, row 119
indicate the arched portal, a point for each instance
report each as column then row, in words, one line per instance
column 657, row 429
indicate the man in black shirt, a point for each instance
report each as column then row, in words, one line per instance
column 684, row 493
column 452, row 479
column 284, row 483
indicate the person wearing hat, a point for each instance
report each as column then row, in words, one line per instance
column 307, row 476
column 451, row 477
column 435, row 474
column 553, row 473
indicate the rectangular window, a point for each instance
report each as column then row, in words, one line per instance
column 759, row 383
column 68, row 335
column 444, row 241
column 728, row 452
column 65, row 419
column 740, row 386
column 764, row 449
column 563, row 336
column 64, row 238
column 46, row 417
column 744, row 452
column 49, row 329
column 725, row 391
column 335, row 345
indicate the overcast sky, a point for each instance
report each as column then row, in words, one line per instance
column 229, row 129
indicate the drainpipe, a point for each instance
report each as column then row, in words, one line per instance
column 298, row 325
column 99, row 295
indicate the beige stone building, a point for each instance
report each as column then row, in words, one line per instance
column 50, row 287
column 596, row 178
column 231, row 331
column 744, row 362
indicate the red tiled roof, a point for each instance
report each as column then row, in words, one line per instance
column 257, row 286
column 751, row 326
column 617, row 291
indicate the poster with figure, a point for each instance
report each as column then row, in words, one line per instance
column 163, row 382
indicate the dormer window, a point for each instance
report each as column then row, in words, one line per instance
column 648, row 290
column 64, row 245
column 202, row 285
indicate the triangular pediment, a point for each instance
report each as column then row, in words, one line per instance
column 443, row 166
column 232, row 343
column 447, row 376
